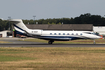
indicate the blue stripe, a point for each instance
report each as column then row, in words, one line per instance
column 60, row 37
column 18, row 27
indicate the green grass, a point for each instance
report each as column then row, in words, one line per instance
column 52, row 58
column 4, row 42
column 12, row 58
column 10, row 54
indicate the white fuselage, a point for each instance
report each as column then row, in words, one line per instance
column 63, row 35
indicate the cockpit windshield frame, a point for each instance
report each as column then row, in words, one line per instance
column 92, row 33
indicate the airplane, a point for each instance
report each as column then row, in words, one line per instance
column 52, row 35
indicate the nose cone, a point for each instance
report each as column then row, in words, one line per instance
column 98, row 37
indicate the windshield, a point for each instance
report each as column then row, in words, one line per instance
column 93, row 33
column 97, row 33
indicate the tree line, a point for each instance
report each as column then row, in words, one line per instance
column 87, row 18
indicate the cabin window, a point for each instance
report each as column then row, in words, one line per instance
column 55, row 34
column 72, row 34
column 50, row 33
column 59, row 33
column 76, row 33
column 63, row 33
column 35, row 31
column 81, row 34
column 68, row 34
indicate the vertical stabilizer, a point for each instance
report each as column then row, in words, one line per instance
column 18, row 23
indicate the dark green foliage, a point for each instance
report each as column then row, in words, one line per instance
column 4, row 25
column 87, row 18
column 96, row 20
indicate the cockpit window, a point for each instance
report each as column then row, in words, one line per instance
column 92, row 33
column 97, row 33
column 88, row 32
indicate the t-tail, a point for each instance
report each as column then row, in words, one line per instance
column 22, row 29
column 18, row 23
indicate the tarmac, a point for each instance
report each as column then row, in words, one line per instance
column 14, row 42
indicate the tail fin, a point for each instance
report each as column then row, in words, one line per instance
column 18, row 23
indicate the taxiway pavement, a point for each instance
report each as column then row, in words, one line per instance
column 14, row 42
column 53, row 45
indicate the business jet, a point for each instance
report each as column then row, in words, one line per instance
column 52, row 35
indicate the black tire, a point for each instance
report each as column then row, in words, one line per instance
column 50, row 42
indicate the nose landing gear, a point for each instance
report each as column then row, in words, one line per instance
column 94, row 42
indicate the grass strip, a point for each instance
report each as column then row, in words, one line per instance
column 52, row 58
column 13, row 58
column 4, row 42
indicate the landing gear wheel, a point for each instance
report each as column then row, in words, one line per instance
column 94, row 42
column 50, row 42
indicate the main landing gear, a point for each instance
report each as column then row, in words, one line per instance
column 50, row 42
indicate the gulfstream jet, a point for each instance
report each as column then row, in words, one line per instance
column 52, row 35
